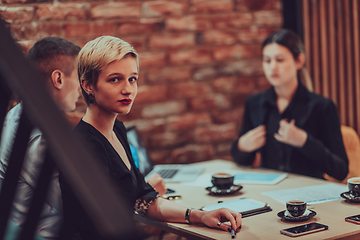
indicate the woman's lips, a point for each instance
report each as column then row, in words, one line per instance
column 126, row 101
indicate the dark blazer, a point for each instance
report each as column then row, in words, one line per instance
column 130, row 184
column 323, row 151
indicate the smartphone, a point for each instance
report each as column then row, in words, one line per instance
column 353, row 219
column 304, row 229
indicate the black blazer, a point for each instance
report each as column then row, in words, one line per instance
column 130, row 184
column 323, row 151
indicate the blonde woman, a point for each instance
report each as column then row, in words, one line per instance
column 108, row 69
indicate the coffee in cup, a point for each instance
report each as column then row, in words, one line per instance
column 222, row 180
column 354, row 185
column 296, row 208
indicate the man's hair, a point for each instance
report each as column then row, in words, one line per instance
column 53, row 53
column 97, row 54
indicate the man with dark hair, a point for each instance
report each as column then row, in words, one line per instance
column 55, row 59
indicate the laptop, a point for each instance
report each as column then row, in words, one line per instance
column 169, row 172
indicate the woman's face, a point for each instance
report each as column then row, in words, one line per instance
column 116, row 87
column 279, row 65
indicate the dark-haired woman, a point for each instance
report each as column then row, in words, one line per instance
column 294, row 129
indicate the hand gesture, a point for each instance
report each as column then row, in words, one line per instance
column 290, row 134
column 157, row 182
column 253, row 139
column 212, row 218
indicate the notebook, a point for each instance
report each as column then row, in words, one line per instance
column 169, row 172
column 258, row 178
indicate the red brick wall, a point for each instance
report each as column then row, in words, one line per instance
column 200, row 59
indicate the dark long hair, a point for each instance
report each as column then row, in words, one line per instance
column 291, row 41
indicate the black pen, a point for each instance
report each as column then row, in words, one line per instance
column 233, row 233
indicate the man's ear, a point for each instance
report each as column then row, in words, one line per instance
column 57, row 79
column 300, row 61
column 86, row 86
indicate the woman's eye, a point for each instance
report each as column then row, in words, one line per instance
column 132, row 79
column 114, row 80
column 279, row 60
column 266, row 60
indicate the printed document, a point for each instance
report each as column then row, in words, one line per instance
column 311, row 194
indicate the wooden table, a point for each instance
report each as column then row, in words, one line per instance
column 265, row 225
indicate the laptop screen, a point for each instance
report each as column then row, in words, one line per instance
column 138, row 151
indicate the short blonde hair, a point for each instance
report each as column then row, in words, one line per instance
column 97, row 54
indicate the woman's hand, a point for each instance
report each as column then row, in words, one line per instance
column 253, row 139
column 157, row 182
column 290, row 134
column 212, row 218
column 164, row 210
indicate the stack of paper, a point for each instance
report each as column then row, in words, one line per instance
column 259, row 177
column 241, row 177
column 311, row 194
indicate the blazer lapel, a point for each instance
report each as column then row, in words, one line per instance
column 264, row 108
column 304, row 107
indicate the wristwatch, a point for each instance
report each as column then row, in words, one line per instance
column 187, row 215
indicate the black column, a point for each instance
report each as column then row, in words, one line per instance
column 292, row 16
